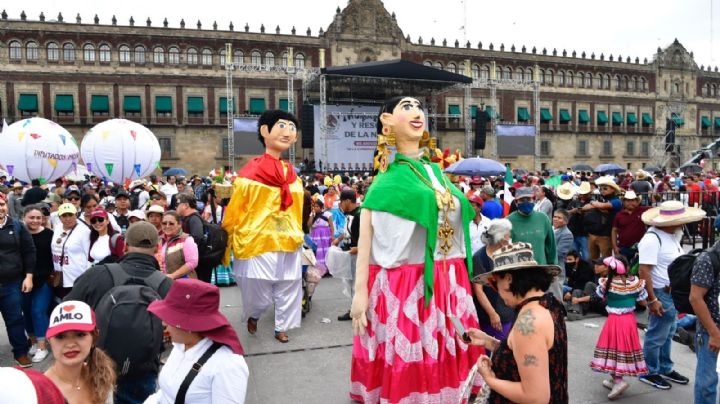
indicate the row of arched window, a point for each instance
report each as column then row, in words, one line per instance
column 141, row 55
column 711, row 90
column 550, row 77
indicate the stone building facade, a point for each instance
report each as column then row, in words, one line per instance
column 593, row 108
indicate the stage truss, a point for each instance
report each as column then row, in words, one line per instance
column 288, row 69
column 368, row 90
column 494, row 84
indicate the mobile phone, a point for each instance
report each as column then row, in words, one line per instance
column 460, row 330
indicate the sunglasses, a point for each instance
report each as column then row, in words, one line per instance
column 169, row 223
column 156, row 198
column 62, row 236
column 96, row 220
column 73, row 198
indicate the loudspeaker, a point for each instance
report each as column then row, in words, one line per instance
column 480, row 129
column 670, row 127
column 307, row 125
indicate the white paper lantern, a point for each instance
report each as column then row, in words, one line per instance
column 36, row 148
column 119, row 150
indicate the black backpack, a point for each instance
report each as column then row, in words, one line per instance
column 680, row 272
column 131, row 335
column 135, row 200
column 211, row 249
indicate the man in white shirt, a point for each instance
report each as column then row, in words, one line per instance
column 70, row 248
column 657, row 250
column 170, row 188
column 478, row 225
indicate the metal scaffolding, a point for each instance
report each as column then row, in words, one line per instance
column 664, row 156
column 289, row 69
column 230, row 108
column 493, row 83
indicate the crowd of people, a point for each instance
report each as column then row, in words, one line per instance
column 446, row 271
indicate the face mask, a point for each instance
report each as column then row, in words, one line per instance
column 526, row 207
column 570, row 265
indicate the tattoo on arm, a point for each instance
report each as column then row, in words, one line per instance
column 526, row 323
column 530, row 360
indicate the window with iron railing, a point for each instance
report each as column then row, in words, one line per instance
column 544, row 147
column 607, row 148
column 165, row 148
column 582, row 148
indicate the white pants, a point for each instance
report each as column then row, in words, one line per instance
column 272, row 278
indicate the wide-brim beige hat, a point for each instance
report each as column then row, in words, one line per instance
column 513, row 257
column 630, row 195
column 641, row 174
column 566, row 191
column 672, row 213
column 584, row 188
column 609, row 181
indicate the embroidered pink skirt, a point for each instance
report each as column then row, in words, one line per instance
column 410, row 352
column 618, row 350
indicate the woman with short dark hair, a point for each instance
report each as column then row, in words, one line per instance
column 536, row 347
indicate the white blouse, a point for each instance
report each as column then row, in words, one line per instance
column 397, row 241
column 223, row 378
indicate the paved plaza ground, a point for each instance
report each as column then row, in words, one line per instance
column 314, row 367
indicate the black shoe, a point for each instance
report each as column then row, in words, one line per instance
column 683, row 337
column 676, row 377
column 345, row 317
column 656, row 381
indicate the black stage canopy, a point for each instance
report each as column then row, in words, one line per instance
column 373, row 82
column 397, row 69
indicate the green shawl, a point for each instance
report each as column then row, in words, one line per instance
column 400, row 192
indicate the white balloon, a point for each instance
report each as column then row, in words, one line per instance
column 119, row 150
column 36, row 148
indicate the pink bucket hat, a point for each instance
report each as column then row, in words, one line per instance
column 194, row 306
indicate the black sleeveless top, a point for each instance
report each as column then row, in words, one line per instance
column 505, row 367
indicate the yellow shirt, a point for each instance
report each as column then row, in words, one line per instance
column 256, row 225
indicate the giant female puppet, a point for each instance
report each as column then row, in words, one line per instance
column 412, row 275
column 264, row 225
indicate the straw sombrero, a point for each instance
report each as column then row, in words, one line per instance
column 566, row 191
column 584, row 188
column 641, row 174
column 630, row 195
column 609, row 181
column 515, row 256
column 672, row 213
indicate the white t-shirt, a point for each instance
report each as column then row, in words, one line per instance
column 100, row 249
column 223, row 378
column 476, row 230
column 169, row 190
column 72, row 250
column 659, row 253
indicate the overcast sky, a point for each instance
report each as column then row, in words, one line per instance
column 626, row 27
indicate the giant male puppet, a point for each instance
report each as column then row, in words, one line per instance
column 263, row 221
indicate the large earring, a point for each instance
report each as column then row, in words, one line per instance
column 380, row 162
column 389, row 135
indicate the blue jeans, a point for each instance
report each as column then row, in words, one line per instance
column 580, row 244
column 10, row 303
column 706, row 377
column 135, row 390
column 658, row 337
column 35, row 310
column 687, row 322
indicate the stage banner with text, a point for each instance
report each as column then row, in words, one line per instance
column 351, row 137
